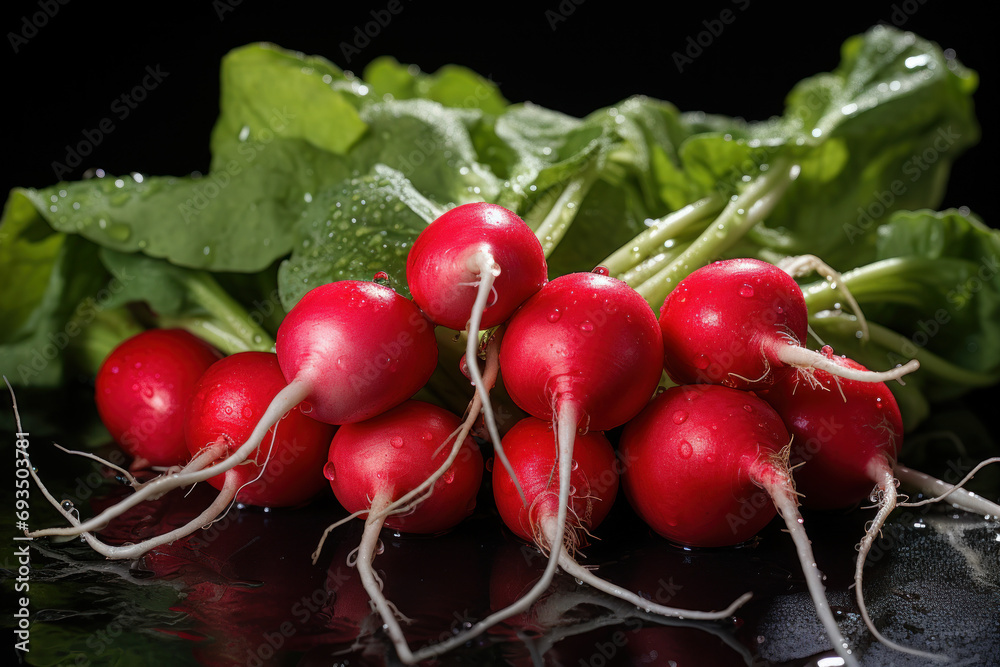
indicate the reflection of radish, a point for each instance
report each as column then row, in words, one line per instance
column 287, row 468
column 375, row 462
column 344, row 376
column 470, row 269
column 142, row 389
column 699, row 454
column 734, row 322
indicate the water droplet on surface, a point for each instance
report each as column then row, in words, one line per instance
column 586, row 326
column 748, row 407
column 685, row 450
column 601, row 270
column 701, row 362
column 746, row 291
column 305, row 407
column 329, row 471
column 381, row 278
column 427, row 436
column 147, row 392
column 449, row 476
column 229, row 410
column 680, row 417
column 555, row 315
column 396, row 441
column 114, row 369
column 247, row 413
column 574, row 464
column 66, row 505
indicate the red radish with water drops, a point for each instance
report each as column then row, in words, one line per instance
column 735, row 322
column 142, row 389
column 700, row 455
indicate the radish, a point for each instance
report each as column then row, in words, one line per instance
column 699, row 455
column 142, row 389
column 847, row 436
column 344, row 376
column 593, row 487
column 287, row 468
column 470, row 269
column 584, row 351
column 735, row 321
column 377, row 461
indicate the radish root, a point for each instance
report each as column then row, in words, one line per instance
column 940, row 490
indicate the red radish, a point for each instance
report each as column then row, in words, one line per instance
column 734, row 322
column 142, row 389
column 287, row 468
column 593, row 487
column 699, row 456
column 583, row 351
column 470, row 269
column 345, row 376
column 846, row 435
column 377, row 461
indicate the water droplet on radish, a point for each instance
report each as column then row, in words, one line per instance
column 114, row 369
column 396, row 441
column 555, row 315
column 381, row 278
column 680, row 417
column 229, row 410
column 746, row 291
column 427, row 436
column 574, row 464
column 748, row 407
column 586, row 326
column 147, row 392
column 138, row 364
column 827, row 351
column 329, row 472
column 135, row 386
column 449, row 476
column 686, row 450
column 701, row 362
column 247, row 413
column 305, row 407
column 66, row 505
column 601, row 270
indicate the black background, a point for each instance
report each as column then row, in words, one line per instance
column 570, row 55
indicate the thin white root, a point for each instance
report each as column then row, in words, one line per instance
column 488, row 271
column 778, row 484
column 373, row 585
column 329, row 529
column 802, row 357
column 941, row 490
column 802, row 264
column 132, row 481
column 568, row 419
column 293, row 394
column 573, row 568
column 886, row 493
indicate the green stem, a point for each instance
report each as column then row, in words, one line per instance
column 930, row 363
column 648, row 268
column 894, row 280
column 660, row 231
column 743, row 212
column 558, row 212
column 227, row 324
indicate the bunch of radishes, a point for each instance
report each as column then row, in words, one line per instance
column 706, row 463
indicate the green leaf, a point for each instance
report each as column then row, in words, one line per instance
column 352, row 231
column 236, row 218
column 452, row 86
column 268, row 92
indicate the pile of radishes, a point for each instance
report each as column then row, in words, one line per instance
column 707, row 463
